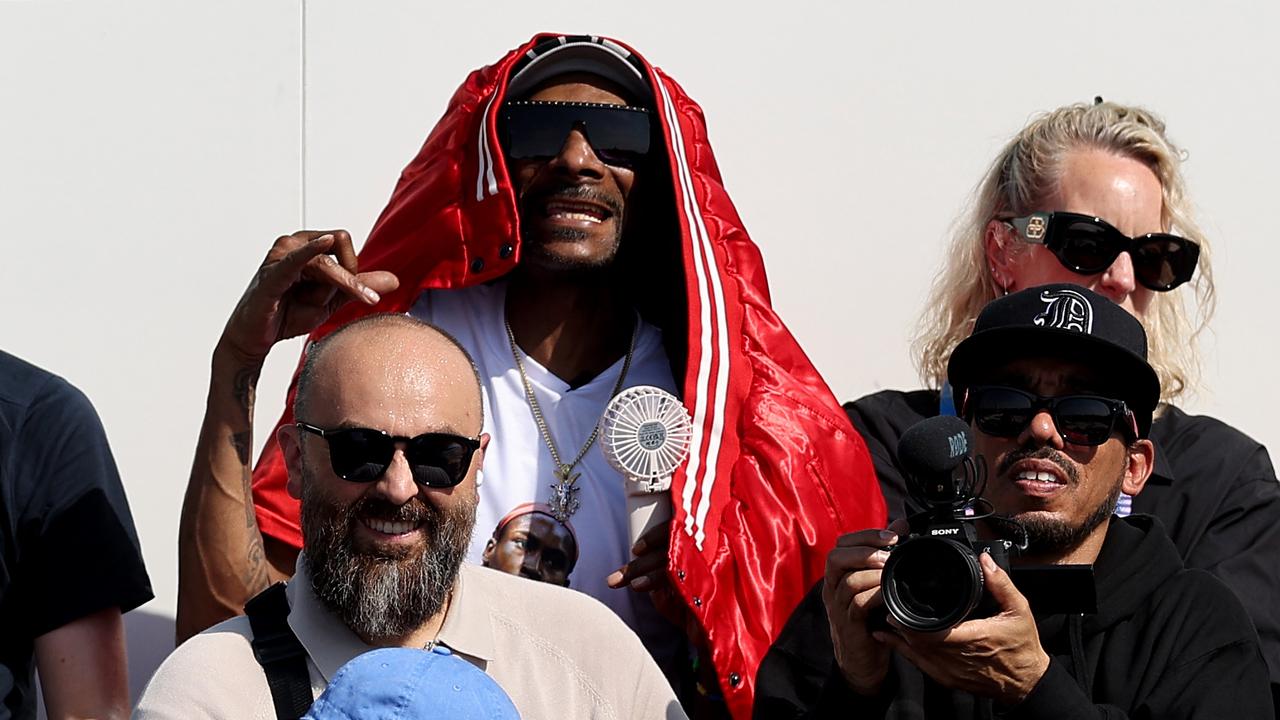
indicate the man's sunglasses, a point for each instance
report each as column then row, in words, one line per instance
column 1088, row 245
column 438, row 460
column 1080, row 419
column 620, row 135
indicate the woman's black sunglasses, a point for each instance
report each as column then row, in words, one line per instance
column 1080, row 419
column 1088, row 245
column 438, row 460
column 620, row 135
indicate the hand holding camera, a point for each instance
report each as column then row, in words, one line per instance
column 952, row 609
column 851, row 594
column 999, row 657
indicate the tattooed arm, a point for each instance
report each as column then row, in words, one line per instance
column 222, row 559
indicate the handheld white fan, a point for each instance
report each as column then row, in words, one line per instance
column 645, row 433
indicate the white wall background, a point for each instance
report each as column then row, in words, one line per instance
column 150, row 151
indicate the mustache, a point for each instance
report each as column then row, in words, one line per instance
column 574, row 191
column 376, row 508
column 1043, row 452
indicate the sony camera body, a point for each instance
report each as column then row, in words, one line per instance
column 933, row 580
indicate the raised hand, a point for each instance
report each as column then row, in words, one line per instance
column 223, row 559
column 305, row 277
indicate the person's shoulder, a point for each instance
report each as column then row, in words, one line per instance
column 233, row 635
column 212, row 674
column 1199, row 609
column 895, row 406
column 555, row 639
column 1200, row 448
column 24, row 385
column 541, row 603
column 573, row 623
column 1179, row 433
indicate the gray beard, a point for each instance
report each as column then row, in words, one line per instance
column 382, row 596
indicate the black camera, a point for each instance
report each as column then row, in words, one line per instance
column 932, row 580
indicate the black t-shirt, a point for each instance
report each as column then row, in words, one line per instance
column 68, row 547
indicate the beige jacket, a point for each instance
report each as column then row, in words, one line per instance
column 556, row 652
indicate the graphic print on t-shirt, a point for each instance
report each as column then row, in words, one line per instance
column 530, row 542
column 518, row 468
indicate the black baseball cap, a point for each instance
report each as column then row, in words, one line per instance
column 1061, row 320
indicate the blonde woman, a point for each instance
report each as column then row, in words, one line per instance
column 1092, row 194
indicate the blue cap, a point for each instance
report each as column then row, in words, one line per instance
column 396, row 683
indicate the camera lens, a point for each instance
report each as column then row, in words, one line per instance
column 931, row 584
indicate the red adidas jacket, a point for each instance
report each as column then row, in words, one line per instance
column 775, row 471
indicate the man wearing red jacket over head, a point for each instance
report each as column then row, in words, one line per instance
column 567, row 221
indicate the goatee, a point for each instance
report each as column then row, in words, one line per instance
column 379, row 593
column 1045, row 536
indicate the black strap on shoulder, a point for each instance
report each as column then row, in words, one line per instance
column 280, row 653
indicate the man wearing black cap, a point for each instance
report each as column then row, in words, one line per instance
column 567, row 222
column 1056, row 388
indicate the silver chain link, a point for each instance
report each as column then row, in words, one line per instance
column 561, row 468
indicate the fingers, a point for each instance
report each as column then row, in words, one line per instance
column 1001, row 586
column 648, row 582
column 617, row 578
column 648, row 571
column 853, row 569
column 843, row 562
column 291, row 253
column 380, row 280
column 305, row 254
column 345, row 251
column 656, row 538
column 644, row 573
column 635, row 578
column 325, row 269
column 857, row 583
column 286, row 244
column 873, row 538
column 851, row 558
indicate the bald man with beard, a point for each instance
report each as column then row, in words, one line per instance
column 383, row 457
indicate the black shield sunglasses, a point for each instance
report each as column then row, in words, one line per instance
column 1087, row 245
column 438, row 460
column 620, row 135
column 1080, row 419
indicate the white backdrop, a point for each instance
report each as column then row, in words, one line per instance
column 150, row 151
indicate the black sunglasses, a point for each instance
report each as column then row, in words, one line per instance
column 438, row 460
column 620, row 135
column 1080, row 419
column 1087, row 245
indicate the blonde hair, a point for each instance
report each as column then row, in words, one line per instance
column 1026, row 173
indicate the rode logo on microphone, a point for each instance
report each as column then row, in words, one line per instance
column 958, row 445
column 944, row 531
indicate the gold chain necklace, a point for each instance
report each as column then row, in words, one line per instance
column 564, row 493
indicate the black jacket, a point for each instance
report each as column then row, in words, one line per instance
column 1213, row 488
column 1166, row 642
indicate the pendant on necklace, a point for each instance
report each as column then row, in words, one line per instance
column 564, row 493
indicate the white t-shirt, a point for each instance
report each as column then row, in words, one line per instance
column 518, row 467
